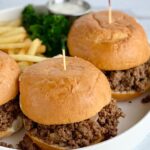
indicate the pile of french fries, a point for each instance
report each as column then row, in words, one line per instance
column 15, row 41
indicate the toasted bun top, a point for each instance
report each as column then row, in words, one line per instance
column 50, row 95
column 117, row 46
column 9, row 73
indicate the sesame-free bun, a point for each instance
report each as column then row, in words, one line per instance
column 9, row 73
column 45, row 146
column 50, row 95
column 123, row 96
column 117, row 46
column 16, row 125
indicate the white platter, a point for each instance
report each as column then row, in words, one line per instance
column 132, row 129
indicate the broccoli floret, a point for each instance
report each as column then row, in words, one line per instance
column 51, row 29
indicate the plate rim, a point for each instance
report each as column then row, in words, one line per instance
column 104, row 143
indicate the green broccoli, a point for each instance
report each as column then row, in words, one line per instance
column 51, row 29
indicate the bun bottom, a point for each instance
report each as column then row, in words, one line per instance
column 126, row 96
column 16, row 125
column 44, row 146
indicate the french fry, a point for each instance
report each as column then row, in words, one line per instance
column 30, row 58
column 15, row 31
column 6, row 46
column 22, row 51
column 30, row 63
column 34, row 47
column 11, row 51
column 15, row 41
column 11, row 39
column 41, row 49
column 28, row 41
column 23, row 65
column 5, row 29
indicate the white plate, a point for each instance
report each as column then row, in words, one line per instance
column 132, row 129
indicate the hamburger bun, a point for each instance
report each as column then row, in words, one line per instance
column 9, row 73
column 50, row 95
column 16, row 125
column 117, row 46
column 44, row 146
column 123, row 96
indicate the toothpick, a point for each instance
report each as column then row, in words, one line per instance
column 64, row 58
column 110, row 12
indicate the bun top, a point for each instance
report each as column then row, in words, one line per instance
column 117, row 46
column 49, row 95
column 9, row 73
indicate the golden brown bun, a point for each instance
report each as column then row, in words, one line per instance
column 17, row 125
column 117, row 46
column 50, row 95
column 9, row 73
column 43, row 145
column 126, row 96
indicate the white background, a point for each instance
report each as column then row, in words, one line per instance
column 138, row 8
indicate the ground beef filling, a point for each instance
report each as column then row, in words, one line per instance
column 4, row 144
column 8, row 113
column 146, row 99
column 101, row 127
column 135, row 79
column 27, row 144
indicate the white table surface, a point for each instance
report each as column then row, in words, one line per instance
column 139, row 8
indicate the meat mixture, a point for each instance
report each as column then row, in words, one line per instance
column 135, row 79
column 27, row 144
column 146, row 99
column 8, row 113
column 6, row 145
column 98, row 128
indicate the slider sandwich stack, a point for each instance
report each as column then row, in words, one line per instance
column 120, row 49
column 66, row 109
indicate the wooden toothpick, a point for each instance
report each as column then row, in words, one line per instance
column 64, row 58
column 109, row 12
